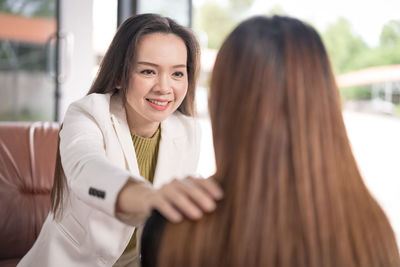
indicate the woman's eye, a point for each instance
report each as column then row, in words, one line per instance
column 147, row 72
column 178, row 74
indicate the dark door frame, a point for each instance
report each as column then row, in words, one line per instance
column 127, row 8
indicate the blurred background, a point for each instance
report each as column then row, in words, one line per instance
column 50, row 51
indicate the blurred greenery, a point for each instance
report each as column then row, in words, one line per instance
column 25, row 114
column 390, row 35
column 343, row 45
column 25, row 56
column 397, row 109
column 347, row 50
column 22, row 56
column 29, row 8
column 356, row 92
column 216, row 21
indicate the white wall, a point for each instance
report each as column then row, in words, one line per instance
column 77, row 60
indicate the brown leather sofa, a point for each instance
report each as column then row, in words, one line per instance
column 27, row 161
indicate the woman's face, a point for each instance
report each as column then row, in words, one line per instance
column 159, row 79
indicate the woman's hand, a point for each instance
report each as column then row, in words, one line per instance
column 190, row 197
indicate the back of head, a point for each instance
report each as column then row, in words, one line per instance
column 293, row 193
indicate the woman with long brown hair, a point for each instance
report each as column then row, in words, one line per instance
column 293, row 195
column 135, row 128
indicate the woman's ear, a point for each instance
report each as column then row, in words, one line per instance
column 118, row 87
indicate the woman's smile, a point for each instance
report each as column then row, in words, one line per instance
column 158, row 104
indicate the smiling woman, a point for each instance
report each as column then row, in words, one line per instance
column 159, row 82
column 133, row 130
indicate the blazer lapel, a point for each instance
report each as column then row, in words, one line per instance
column 172, row 143
column 118, row 117
column 170, row 152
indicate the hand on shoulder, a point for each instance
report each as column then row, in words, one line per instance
column 190, row 198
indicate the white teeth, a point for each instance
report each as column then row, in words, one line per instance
column 158, row 102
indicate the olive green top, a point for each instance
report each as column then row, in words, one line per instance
column 146, row 153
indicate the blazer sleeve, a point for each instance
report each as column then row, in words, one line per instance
column 90, row 175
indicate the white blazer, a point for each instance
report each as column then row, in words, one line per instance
column 98, row 158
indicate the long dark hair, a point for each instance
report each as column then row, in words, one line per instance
column 116, row 69
column 293, row 193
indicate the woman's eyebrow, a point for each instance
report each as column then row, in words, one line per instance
column 155, row 65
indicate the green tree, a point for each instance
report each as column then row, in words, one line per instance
column 388, row 51
column 216, row 21
column 344, row 46
column 390, row 34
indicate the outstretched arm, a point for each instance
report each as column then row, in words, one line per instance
column 190, row 197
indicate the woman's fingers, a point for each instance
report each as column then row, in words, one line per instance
column 183, row 203
column 168, row 210
column 189, row 197
column 210, row 186
column 196, row 194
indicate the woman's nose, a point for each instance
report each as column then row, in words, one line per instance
column 163, row 84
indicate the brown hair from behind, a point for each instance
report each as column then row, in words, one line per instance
column 293, row 193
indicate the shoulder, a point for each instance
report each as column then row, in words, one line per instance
column 93, row 105
column 93, row 101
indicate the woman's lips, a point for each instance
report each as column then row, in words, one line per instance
column 158, row 104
